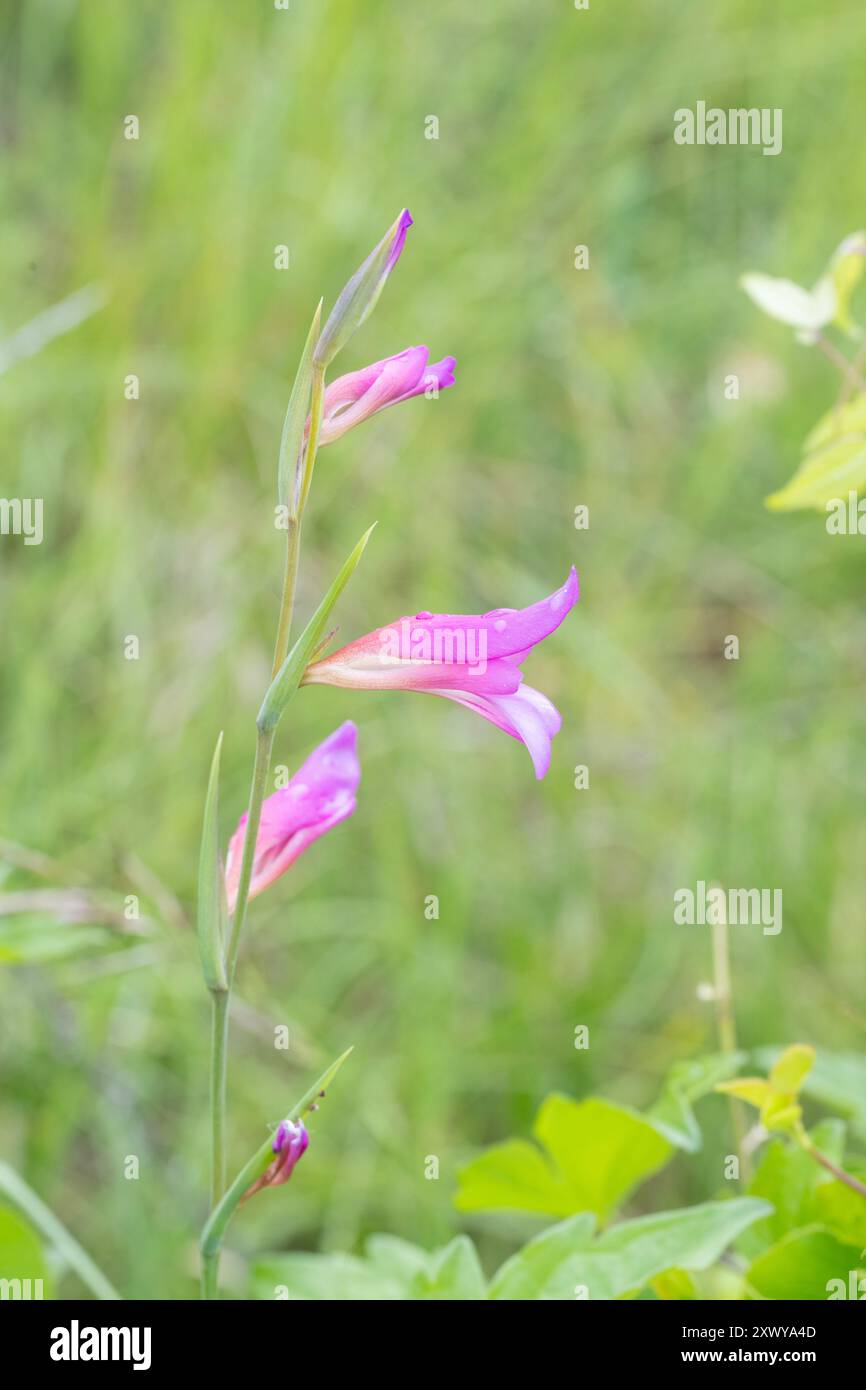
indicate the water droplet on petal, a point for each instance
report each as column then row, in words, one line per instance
column 500, row 625
column 424, row 616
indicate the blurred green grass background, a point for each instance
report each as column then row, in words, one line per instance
column 603, row 387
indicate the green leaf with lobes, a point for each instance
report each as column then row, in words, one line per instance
column 566, row 1262
column 595, row 1153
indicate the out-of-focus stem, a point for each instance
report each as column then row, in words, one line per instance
column 839, row 1173
column 287, row 603
column 832, row 353
column 728, row 1032
column 853, row 377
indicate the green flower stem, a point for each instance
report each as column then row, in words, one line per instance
column 219, row 1043
column 839, row 360
column 287, row 604
column 48, row 1225
column 215, row 1228
column 222, row 998
column 261, row 768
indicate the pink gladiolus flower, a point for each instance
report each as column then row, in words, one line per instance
column 290, row 1144
column 318, row 797
column 473, row 660
column 358, row 395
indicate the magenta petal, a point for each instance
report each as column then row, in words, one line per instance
column 353, row 398
column 472, row 660
column 403, row 225
column 527, row 715
column 318, row 797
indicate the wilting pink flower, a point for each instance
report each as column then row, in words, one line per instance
column 473, row 660
column 290, row 1144
column 358, row 395
column 318, row 797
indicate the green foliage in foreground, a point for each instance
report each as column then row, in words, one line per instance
column 567, row 1261
column 796, row 1235
column 601, row 387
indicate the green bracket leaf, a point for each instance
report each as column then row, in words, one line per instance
column 292, row 439
column 291, row 673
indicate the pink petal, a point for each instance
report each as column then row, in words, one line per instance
column 527, row 715
column 477, row 642
column 318, row 797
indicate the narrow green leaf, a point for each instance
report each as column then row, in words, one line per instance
column 23, row 1266
column 55, row 1233
column 291, row 673
column 214, row 1232
column 359, row 296
column 308, row 1099
column 212, row 914
column 292, row 439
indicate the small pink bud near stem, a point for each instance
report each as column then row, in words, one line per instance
column 290, row 1144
